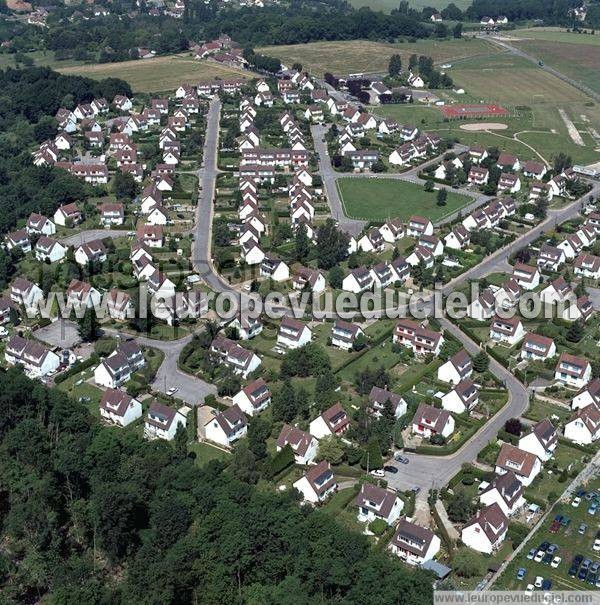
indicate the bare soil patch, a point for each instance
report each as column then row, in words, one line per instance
column 484, row 126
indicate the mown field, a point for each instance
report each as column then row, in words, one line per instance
column 158, row 74
column 532, row 95
column 554, row 34
column 387, row 5
column 354, row 56
column 380, row 199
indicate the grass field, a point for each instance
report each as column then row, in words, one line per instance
column 380, row 199
column 365, row 56
column 554, row 34
column 156, row 75
column 387, row 5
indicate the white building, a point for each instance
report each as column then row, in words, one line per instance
column 162, row 422
column 506, row 491
column 303, row 444
column 486, row 531
column 253, row 398
column 541, row 440
column 317, row 483
column 226, row 427
column 414, row 544
column 377, row 503
column 525, row 465
column 117, row 407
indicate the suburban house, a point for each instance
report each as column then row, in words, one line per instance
column 524, row 465
column 38, row 224
column 378, row 398
column 162, row 422
column 458, row 238
column 304, row 277
column 414, row 336
column 459, row 367
column 463, row 397
column 509, row 330
column 82, row 294
column 49, row 249
column 534, row 170
column 573, row 371
column 253, row 398
column 550, row 258
column 418, row 226
column 587, row 265
column 241, row 361
column 506, row 491
column 112, row 214
column 358, row 281
column 89, row 252
column 293, row 333
column 414, row 544
column 23, row 292
column 429, row 421
column 18, row 239
column 119, row 305
column 582, row 308
column 590, row 393
column 247, row 327
column 317, row 483
column 527, row 277
column 35, row 358
column 333, row 421
column 486, row 531
column 274, row 268
column 116, row 369
column 303, row 444
column 375, row 502
column 557, row 291
column 584, row 427
column 537, row 347
column 226, row 427
column 541, row 440
column 117, row 407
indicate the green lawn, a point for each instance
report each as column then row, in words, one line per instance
column 380, row 199
column 387, row 5
column 205, row 453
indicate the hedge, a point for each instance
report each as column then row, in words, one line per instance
column 409, row 503
column 77, row 367
column 586, row 449
column 448, row 543
column 473, row 470
column 280, row 462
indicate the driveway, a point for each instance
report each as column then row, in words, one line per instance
column 61, row 333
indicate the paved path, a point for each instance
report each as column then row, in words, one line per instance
column 441, row 509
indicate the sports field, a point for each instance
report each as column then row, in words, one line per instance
column 381, row 199
column 342, row 58
column 158, row 74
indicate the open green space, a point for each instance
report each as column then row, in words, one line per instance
column 555, row 34
column 387, row 5
column 381, row 199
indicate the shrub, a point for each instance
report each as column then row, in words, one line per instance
column 378, row 527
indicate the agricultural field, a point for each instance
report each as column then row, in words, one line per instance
column 158, row 74
column 387, row 5
column 365, row 56
column 554, row 34
column 535, row 128
column 380, row 199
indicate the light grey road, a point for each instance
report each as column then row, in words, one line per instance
column 88, row 236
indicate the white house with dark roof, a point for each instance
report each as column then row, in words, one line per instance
column 49, row 249
column 242, row 361
column 550, row 258
column 421, row 340
column 527, row 277
column 38, row 224
column 584, row 427
column 557, row 291
column 116, row 369
column 35, row 358
column 463, row 397
column 162, row 422
column 253, row 398
column 506, row 491
column 536, row 347
column 18, row 239
column 418, row 226
column 587, row 265
column 541, row 440
column 226, row 427
column 304, row 277
column 303, row 444
column 525, row 465
column 317, row 484
column 458, row 367
column 246, row 326
column 89, row 252
column 293, row 333
column 582, row 308
column 414, row 544
column 507, row 330
column 378, row 398
column 274, row 268
column 333, row 421
column 573, row 371
column 458, row 239
column 429, row 421
column 358, row 280
column 375, row 502
column 343, row 334
column 486, row 530
column 590, row 393
column 23, row 292
column 117, row 407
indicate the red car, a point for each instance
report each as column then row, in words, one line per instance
column 554, row 527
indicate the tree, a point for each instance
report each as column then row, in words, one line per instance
column 243, row 464
column 336, row 277
column 513, row 426
column 332, row 245
column 562, row 161
column 481, row 362
column 258, row 433
column 284, row 403
column 575, row 332
column 124, row 185
column 457, row 31
column 460, row 507
column 395, row 66
column 330, row 449
column 442, row 196
column 429, row 186
column 372, row 458
column 467, row 563
column 301, row 244
column 297, row 66
column 87, row 326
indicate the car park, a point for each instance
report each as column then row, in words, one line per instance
column 521, row 573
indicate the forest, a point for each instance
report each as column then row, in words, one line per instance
column 91, row 514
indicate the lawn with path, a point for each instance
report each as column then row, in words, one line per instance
column 381, row 199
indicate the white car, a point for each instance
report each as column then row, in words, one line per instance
column 539, row 556
column 596, row 544
column 378, row 472
column 529, row 589
column 555, row 562
column 538, row 581
column 576, row 502
column 172, row 391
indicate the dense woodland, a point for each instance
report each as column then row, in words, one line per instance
column 90, row 514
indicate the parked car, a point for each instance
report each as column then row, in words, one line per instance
column 521, row 573
column 596, row 544
column 544, row 546
column 555, row 562
column 378, row 472
column 582, row 529
column 590, row 495
column 554, row 527
column 531, row 553
column 565, row 521
column 547, row 559
column 592, row 508
column 552, row 549
column 529, row 589
column 390, row 469
column 546, row 584
column 539, row 556
column 592, row 578
column 538, row 581
column 576, row 502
